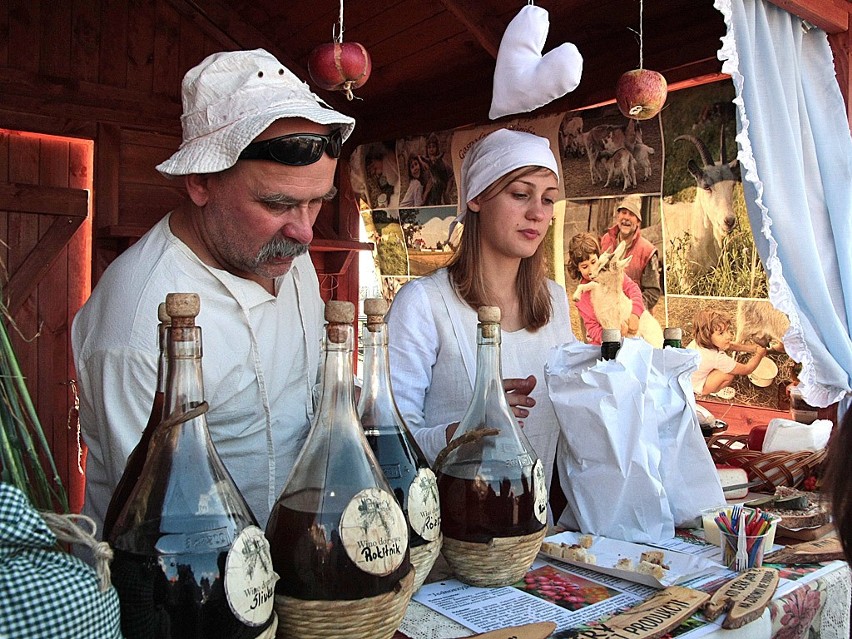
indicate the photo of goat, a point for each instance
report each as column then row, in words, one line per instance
column 709, row 249
column 755, row 321
column 612, row 307
column 604, row 153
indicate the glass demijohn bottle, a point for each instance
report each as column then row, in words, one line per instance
column 190, row 561
column 336, row 531
column 403, row 463
column 491, row 482
column 136, row 459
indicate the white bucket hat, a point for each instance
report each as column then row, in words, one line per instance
column 497, row 154
column 229, row 99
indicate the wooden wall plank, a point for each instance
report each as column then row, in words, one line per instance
column 4, row 177
column 138, row 163
column 24, row 21
column 112, row 58
column 56, row 39
column 167, row 75
column 144, row 205
column 4, row 33
column 85, row 38
column 52, row 288
column 841, row 47
column 192, row 49
column 140, row 44
column 79, row 289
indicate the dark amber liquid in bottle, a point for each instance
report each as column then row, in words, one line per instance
column 397, row 458
column 312, row 563
column 178, row 595
column 478, row 510
column 135, row 464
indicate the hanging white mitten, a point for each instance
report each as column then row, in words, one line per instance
column 524, row 79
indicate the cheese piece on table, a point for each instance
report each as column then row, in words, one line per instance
column 732, row 476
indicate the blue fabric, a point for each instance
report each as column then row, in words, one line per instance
column 796, row 153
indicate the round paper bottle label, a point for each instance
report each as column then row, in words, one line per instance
column 249, row 577
column 374, row 532
column 540, row 504
column 424, row 508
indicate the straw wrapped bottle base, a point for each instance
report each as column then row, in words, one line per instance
column 423, row 558
column 500, row 562
column 369, row 618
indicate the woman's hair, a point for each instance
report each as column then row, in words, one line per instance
column 465, row 269
column 580, row 248
column 838, row 481
column 706, row 322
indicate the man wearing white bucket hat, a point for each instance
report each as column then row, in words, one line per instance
column 644, row 268
column 258, row 158
column 509, row 184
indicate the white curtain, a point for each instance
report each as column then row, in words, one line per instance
column 796, row 154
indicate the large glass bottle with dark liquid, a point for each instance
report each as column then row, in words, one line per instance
column 402, row 462
column 136, row 459
column 336, row 531
column 490, row 480
column 190, row 561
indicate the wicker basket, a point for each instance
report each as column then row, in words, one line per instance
column 423, row 558
column 369, row 618
column 500, row 562
column 780, row 468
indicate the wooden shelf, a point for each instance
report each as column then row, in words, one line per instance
column 331, row 256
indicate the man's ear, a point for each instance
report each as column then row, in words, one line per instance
column 197, row 186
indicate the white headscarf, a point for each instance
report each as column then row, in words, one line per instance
column 497, row 154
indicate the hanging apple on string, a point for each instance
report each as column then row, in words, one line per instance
column 641, row 93
column 339, row 65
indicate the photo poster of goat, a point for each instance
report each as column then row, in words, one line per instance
column 604, row 153
column 753, row 321
column 374, row 175
column 597, row 217
column 709, row 249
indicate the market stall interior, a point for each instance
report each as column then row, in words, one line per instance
column 91, row 103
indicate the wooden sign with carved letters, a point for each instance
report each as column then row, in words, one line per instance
column 540, row 630
column 653, row 618
column 825, row 549
column 744, row 598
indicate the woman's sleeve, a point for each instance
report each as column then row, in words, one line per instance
column 413, row 349
column 632, row 290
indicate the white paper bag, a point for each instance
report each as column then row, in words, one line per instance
column 608, row 454
column 686, row 466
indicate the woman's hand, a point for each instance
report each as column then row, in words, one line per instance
column 518, row 394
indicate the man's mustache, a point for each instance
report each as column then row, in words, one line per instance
column 281, row 248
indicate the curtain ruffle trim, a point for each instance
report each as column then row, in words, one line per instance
column 780, row 295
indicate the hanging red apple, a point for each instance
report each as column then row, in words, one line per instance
column 641, row 93
column 340, row 66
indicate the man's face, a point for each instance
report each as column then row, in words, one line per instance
column 259, row 215
column 627, row 222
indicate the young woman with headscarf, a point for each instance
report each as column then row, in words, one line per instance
column 509, row 185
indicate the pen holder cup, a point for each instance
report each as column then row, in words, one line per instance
column 755, row 547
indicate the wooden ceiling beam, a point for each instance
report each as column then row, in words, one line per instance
column 487, row 29
column 832, row 16
column 224, row 24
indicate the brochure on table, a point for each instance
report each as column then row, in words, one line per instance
column 573, row 595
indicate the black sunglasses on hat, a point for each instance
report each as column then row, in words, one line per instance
column 295, row 149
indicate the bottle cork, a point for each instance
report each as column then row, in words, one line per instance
column 490, row 314
column 673, row 333
column 375, row 308
column 340, row 315
column 611, row 335
column 183, row 308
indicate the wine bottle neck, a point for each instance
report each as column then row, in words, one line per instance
column 489, row 376
column 376, row 377
column 163, row 361
column 185, row 386
column 337, row 380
